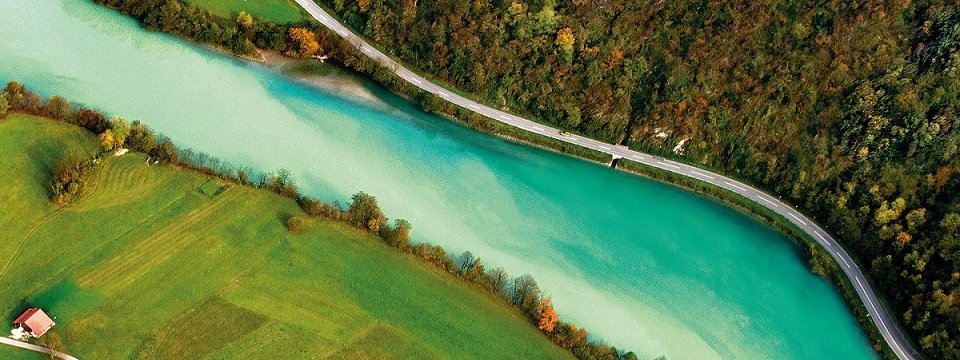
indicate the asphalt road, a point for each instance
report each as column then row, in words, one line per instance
column 878, row 313
column 37, row 348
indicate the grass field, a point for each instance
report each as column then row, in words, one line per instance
column 160, row 263
column 278, row 11
column 12, row 353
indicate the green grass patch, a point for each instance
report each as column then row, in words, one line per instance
column 212, row 188
column 201, row 330
column 278, row 11
column 148, row 265
column 12, row 353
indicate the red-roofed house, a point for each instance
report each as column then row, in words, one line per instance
column 34, row 320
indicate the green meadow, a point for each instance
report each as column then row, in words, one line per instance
column 278, row 11
column 154, row 262
column 12, row 353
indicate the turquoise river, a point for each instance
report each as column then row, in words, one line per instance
column 643, row 265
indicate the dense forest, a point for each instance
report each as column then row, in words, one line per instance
column 848, row 109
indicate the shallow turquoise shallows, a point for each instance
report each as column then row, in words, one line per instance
column 644, row 265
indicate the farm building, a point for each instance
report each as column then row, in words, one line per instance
column 35, row 321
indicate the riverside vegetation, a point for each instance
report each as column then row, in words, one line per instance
column 72, row 180
column 848, row 110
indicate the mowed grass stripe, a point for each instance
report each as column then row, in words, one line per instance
column 153, row 246
column 120, row 180
column 73, row 257
column 201, row 330
column 336, row 321
column 132, row 263
column 95, row 189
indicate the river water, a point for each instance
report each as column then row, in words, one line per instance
column 644, row 265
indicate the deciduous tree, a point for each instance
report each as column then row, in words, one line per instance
column 547, row 317
column 565, row 41
column 301, row 42
column 397, row 235
column 365, row 213
column 465, row 261
column 244, row 21
column 57, row 108
column 526, row 294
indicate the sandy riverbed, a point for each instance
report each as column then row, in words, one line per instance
column 326, row 76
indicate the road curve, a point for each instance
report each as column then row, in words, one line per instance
column 878, row 313
column 37, row 348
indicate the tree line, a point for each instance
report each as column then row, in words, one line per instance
column 522, row 292
column 363, row 212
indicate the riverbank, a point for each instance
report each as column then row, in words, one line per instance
column 346, row 82
column 328, row 77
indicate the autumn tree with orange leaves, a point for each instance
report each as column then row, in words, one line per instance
column 548, row 317
column 301, row 42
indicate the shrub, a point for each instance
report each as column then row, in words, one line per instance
column 364, row 212
column 296, row 224
column 70, row 177
column 317, row 208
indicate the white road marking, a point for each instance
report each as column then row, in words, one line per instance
column 821, row 237
column 538, row 128
column 637, row 156
column 668, row 164
column 734, row 185
column 798, row 219
column 444, row 94
column 504, row 118
column 416, row 81
column 845, row 263
column 883, row 326
column 474, row 106
column 894, row 343
column 768, row 201
column 701, row 174
column 574, row 139
column 604, row 147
